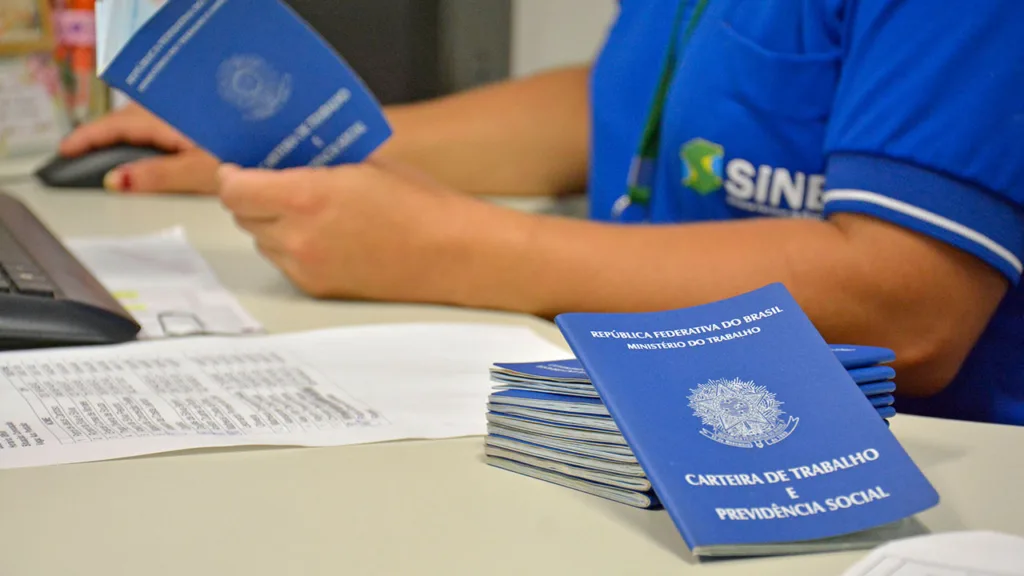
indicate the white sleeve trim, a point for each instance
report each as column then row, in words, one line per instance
column 929, row 217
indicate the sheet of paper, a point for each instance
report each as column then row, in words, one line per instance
column 978, row 553
column 165, row 284
column 325, row 388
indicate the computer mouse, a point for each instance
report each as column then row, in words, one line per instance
column 89, row 169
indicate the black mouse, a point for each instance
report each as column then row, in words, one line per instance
column 89, row 169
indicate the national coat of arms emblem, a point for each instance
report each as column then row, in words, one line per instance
column 253, row 86
column 740, row 413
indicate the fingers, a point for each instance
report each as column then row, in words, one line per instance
column 264, row 230
column 281, row 260
column 275, row 254
column 267, row 194
column 193, row 171
column 131, row 125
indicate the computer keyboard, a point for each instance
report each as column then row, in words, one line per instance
column 47, row 297
column 19, row 274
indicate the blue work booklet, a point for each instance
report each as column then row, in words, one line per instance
column 564, row 439
column 567, row 377
column 857, row 359
column 752, row 433
column 247, row 80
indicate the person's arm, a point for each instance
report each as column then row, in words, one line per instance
column 519, row 137
column 374, row 232
column 860, row 280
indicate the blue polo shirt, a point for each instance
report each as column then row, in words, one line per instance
column 911, row 111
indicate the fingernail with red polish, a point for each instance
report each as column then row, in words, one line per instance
column 118, row 180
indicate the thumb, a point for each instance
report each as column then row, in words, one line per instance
column 226, row 172
column 189, row 172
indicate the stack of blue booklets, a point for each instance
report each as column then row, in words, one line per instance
column 546, row 420
column 736, row 417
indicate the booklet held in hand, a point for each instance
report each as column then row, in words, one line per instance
column 247, row 80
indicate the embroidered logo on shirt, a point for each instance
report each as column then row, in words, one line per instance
column 702, row 165
column 758, row 189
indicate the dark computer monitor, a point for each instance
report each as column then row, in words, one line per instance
column 409, row 50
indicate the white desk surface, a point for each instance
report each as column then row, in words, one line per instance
column 400, row 508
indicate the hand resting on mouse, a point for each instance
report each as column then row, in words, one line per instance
column 186, row 169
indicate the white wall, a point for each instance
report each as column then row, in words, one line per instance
column 553, row 33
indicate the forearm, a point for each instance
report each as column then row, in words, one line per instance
column 522, row 137
column 840, row 273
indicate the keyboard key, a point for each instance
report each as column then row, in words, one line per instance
column 11, row 252
column 13, row 269
column 28, row 279
column 36, row 289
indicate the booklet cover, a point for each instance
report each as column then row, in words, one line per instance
column 646, row 500
column 595, row 461
column 249, row 81
column 863, row 362
column 872, row 374
column 753, row 434
column 536, row 377
column 564, row 371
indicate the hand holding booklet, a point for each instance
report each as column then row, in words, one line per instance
column 247, row 80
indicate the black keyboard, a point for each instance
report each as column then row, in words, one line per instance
column 47, row 297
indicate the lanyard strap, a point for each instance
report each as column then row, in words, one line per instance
column 641, row 173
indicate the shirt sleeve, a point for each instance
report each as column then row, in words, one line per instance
column 927, row 127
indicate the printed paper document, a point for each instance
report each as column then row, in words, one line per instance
column 978, row 553
column 324, row 388
column 165, row 284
